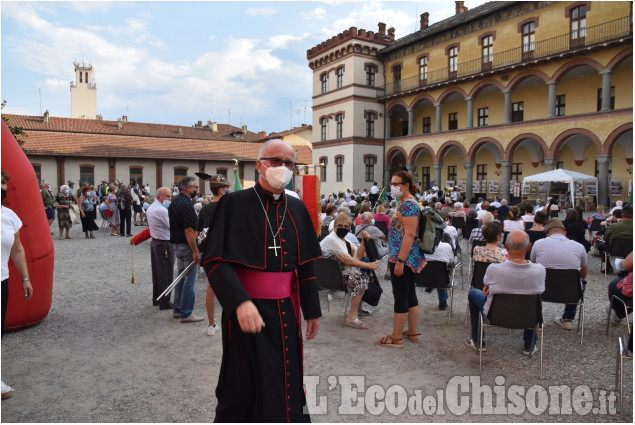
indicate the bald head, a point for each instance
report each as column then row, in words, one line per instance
column 275, row 145
column 278, row 149
column 517, row 242
column 164, row 193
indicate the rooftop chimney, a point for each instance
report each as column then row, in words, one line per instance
column 119, row 124
column 391, row 33
column 424, row 20
column 262, row 134
column 382, row 28
column 46, row 117
column 460, row 8
column 244, row 128
column 124, row 118
column 212, row 125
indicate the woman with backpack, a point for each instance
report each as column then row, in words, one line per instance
column 404, row 260
column 86, row 210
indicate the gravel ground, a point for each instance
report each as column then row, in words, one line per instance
column 105, row 354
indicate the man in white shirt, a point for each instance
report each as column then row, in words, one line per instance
column 556, row 251
column 374, row 194
column 495, row 203
column 161, row 250
column 444, row 253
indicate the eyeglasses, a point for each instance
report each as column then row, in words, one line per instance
column 396, row 184
column 276, row 162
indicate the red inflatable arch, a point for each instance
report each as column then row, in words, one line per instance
column 23, row 197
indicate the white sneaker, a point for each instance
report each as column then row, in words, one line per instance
column 211, row 330
column 7, row 391
column 565, row 323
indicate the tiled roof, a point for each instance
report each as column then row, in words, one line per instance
column 288, row 132
column 129, row 128
column 73, row 142
column 448, row 23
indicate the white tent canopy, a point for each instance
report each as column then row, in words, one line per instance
column 562, row 176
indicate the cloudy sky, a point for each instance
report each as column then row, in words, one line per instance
column 181, row 62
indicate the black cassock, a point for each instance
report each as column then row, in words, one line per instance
column 261, row 374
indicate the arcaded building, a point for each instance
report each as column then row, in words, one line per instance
column 491, row 95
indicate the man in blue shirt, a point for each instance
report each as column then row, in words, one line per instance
column 183, row 222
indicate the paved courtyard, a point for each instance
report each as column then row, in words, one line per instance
column 105, row 354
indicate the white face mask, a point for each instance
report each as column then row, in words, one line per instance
column 278, row 177
column 395, row 192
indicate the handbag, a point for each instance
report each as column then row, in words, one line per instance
column 374, row 291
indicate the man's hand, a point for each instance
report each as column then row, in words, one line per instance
column 28, row 289
column 249, row 319
column 365, row 234
column 486, row 289
column 312, row 326
column 398, row 269
column 196, row 257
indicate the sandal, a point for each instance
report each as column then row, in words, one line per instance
column 411, row 337
column 357, row 324
column 389, row 341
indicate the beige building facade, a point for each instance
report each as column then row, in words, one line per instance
column 510, row 89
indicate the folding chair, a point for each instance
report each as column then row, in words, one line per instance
column 628, row 310
column 513, row 311
column 624, row 351
column 435, row 275
column 563, row 286
column 329, row 277
column 324, row 233
column 476, row 280
column 595, row 225
column 371, row 250
column 474, row 245
column 619, row 248
column 381, row 225
column 459, row 223
column 467, row 231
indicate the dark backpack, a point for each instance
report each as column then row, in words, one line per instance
column 121, row 201
column 430, row 230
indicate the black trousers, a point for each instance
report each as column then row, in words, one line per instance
column 5, row 299
column 125, row 217
column 162, row 263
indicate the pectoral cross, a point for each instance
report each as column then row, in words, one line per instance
column 274, row 247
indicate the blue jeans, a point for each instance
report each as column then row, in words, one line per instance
column 443, row 295
column 476, row 301
column 570, row 310
column 185, row 290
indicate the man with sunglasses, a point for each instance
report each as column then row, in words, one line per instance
column 259, row 264
column 183, row 222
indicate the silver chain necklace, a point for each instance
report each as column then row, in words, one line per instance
column 275, row 235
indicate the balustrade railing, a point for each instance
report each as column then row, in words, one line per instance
column 577, row 39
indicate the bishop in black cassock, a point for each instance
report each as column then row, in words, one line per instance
column 261, row 373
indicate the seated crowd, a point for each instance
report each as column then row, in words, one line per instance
column 523, row 241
